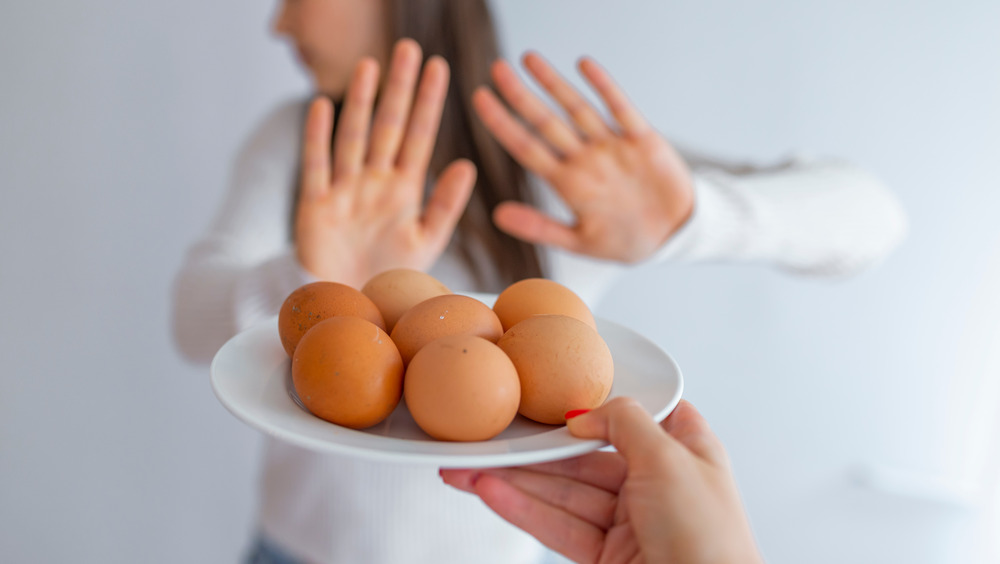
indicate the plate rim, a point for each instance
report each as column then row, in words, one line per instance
column 575, row 446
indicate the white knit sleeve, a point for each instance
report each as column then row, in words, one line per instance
column 825, row 218
column 244, row 266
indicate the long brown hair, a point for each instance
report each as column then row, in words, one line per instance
column 462, row 31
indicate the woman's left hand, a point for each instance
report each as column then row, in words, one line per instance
column 627, row 187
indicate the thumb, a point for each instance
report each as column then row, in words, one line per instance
column 690, row 429
column 628, row 426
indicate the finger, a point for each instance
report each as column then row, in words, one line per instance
column 627, row 116
column 352, row 133
column 530, row 225
column 460, row 478
column 515, row 138
column 448, row 201
column 394, row 107
column 594, row 505
column 560, row 135
column 423, row 127
column 579, row 110
column 690, row 429
column 605, row 470
column 571, row 536
column 316, row 150
column 628, row 426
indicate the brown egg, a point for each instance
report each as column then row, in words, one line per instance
column 317, row 301
column 538, row 296
column 396, row 291
column 441, row 316
column 563, row 364
column 347, row 371
column 462, row 388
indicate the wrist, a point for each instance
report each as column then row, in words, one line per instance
column 332, row 272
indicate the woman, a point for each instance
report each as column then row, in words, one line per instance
column 613, row 194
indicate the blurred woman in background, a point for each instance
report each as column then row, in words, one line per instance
column 435, row 176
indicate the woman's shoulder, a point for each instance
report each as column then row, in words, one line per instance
column 276, row 136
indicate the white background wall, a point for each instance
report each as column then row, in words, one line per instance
column 859, row 413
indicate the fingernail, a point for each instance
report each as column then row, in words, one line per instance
column 475, row 478
column 575, row 412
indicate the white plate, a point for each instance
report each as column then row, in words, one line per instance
column 251, row 375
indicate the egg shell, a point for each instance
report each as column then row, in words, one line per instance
column 396, row 291
column 347, row 371
column 314, row 302
column 539, row 296
column 462, row 388
column 442, row 316
column 563, row 364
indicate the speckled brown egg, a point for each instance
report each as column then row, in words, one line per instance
column 462, row 388
column 312, row 303
column 539, row 296
column 347, row 371
column 441, row 316
column 396, row 291
column 563, row 364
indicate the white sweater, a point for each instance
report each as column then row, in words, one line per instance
column 822, row 218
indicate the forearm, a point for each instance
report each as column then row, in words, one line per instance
column 824, row 219
column 215, row 297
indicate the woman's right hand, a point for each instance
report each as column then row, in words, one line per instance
column 361, row 209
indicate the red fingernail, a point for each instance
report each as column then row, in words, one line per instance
column 575, row 412
column 474, row 478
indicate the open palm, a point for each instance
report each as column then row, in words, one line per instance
column 627, row 187
column 362, row 210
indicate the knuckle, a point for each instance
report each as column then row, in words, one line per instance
column 522, row 144
column 399, row 80
column 363, row 94
column 422, row 128
column 577, row 109
column 516, row 97
column 633, row 410
column 661, row 459
column 389, row 118
column 314, row 161
column 493, row 122
column 563, row 495
column 616, row 104
column 543, row 121
column 574, row 467
column 622, row 404
column 352, row 141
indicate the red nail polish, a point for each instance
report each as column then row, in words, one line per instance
column 575, row 412
column 474, row 478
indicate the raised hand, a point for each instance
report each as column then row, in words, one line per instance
column 667, row 495
column 361, row 210
column 627, row 187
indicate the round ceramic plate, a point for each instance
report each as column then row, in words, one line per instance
column 251, row 375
